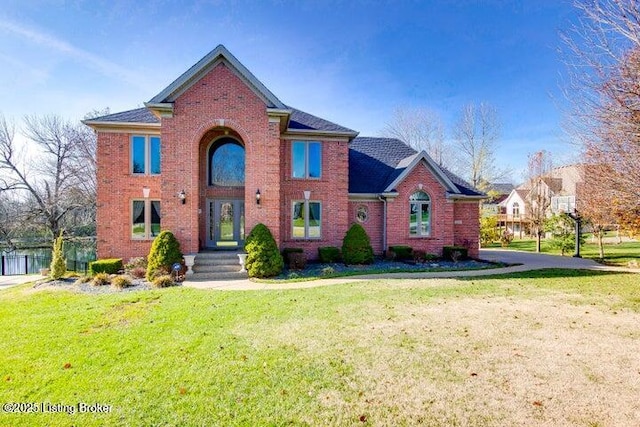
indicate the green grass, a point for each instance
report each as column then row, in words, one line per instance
column 614, row 253
column 181, row 356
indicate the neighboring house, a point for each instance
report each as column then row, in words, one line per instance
column 216, row 152
column 496, row 194
column 559, row 189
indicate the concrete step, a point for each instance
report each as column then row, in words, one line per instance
column 221, row 255
column 217, row 268
column 206, row 277
column 217, row 261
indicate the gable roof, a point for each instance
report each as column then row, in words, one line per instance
column 301, row 121
column 138, row 115
column 218, row 55
column 377, row 165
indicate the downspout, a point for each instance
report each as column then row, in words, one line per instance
column 384, row 224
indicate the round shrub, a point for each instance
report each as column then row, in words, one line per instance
column 263, row 257
column 121, row 282
column 165, row 251
column 356, row 246
column 101, row 279
column 163, row 281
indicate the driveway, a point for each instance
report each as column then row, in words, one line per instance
column 9, row 281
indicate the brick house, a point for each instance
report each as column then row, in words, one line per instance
column 216, row 152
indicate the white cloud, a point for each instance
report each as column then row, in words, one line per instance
column 103, row 66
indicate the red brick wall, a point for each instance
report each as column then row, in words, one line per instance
column 117, row 187
column 220, row 101
column 331, row 190
column 467, row 226
column 373, row 226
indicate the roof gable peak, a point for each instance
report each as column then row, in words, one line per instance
column 162, row 103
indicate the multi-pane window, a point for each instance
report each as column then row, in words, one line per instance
column 145, row 219
column 516, row 209
column 306, row 220
column 145, row 154
column 420, row 214
column 306, row 159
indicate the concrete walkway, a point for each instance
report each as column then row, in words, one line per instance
column 527, row 261
column 9, row 281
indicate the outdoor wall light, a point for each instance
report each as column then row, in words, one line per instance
column 182, row 196
column 146, row 192
column 258, row 196
column 307, row 194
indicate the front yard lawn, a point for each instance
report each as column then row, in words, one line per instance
column 553, row 347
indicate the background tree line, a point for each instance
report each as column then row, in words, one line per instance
column 48, row 183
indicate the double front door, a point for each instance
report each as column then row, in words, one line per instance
column 225, row 223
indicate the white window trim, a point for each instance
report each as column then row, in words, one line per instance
column 147, row 154
column 419, row 204
column 306, row 219
column 147, row 219
column 306, row 159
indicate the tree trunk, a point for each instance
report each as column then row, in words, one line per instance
column 538, row 241
column 601, row 245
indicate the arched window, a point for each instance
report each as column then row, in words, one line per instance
column 516, row 209
column 226, row 163
column 419, row 214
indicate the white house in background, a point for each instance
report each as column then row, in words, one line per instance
column 561, row 185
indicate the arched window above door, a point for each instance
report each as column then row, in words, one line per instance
column 226, row 163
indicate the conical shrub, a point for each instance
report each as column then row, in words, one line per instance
column 263, row 257
column 165, row 251
column 58, row 266
column 356, row 246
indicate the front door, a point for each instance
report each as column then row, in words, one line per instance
column 225, row 224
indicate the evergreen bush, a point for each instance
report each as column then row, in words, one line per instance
column 402, row 252
column 356, row 246
column 165, row 251
column 263, row 257
column 58, row 266
column 106, row 265
column 454, row 253
column 329, row 254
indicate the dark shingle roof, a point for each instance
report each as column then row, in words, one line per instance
column 304, row 121
column 373, row 165
column 501, row 187
column 139, row 115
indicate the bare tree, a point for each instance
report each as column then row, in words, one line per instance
column 54, row 181
column 539, row 196
column 421, row 129
column 475, row 136
column 604, row 90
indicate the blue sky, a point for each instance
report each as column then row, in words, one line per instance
column 352, row 62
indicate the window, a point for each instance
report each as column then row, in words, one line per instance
column 306, row 220
column 420, row 214
column 145, row 219
column 362, row 214
column 226, row 163
column 306, row 159
column 145, row 155
column 516, row 209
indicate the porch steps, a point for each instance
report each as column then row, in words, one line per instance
column 217, row 265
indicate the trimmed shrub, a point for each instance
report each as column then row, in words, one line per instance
column 58, row 266
column 263, row 257
column 402, row 252
column 356, row 246
column 297, row 261
column 165, row 251
column 287, row 251
column 454, row 253
column 101, row 279
column 107, row 265
column 329, row 254
column 163, row 281
column 121, row 282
